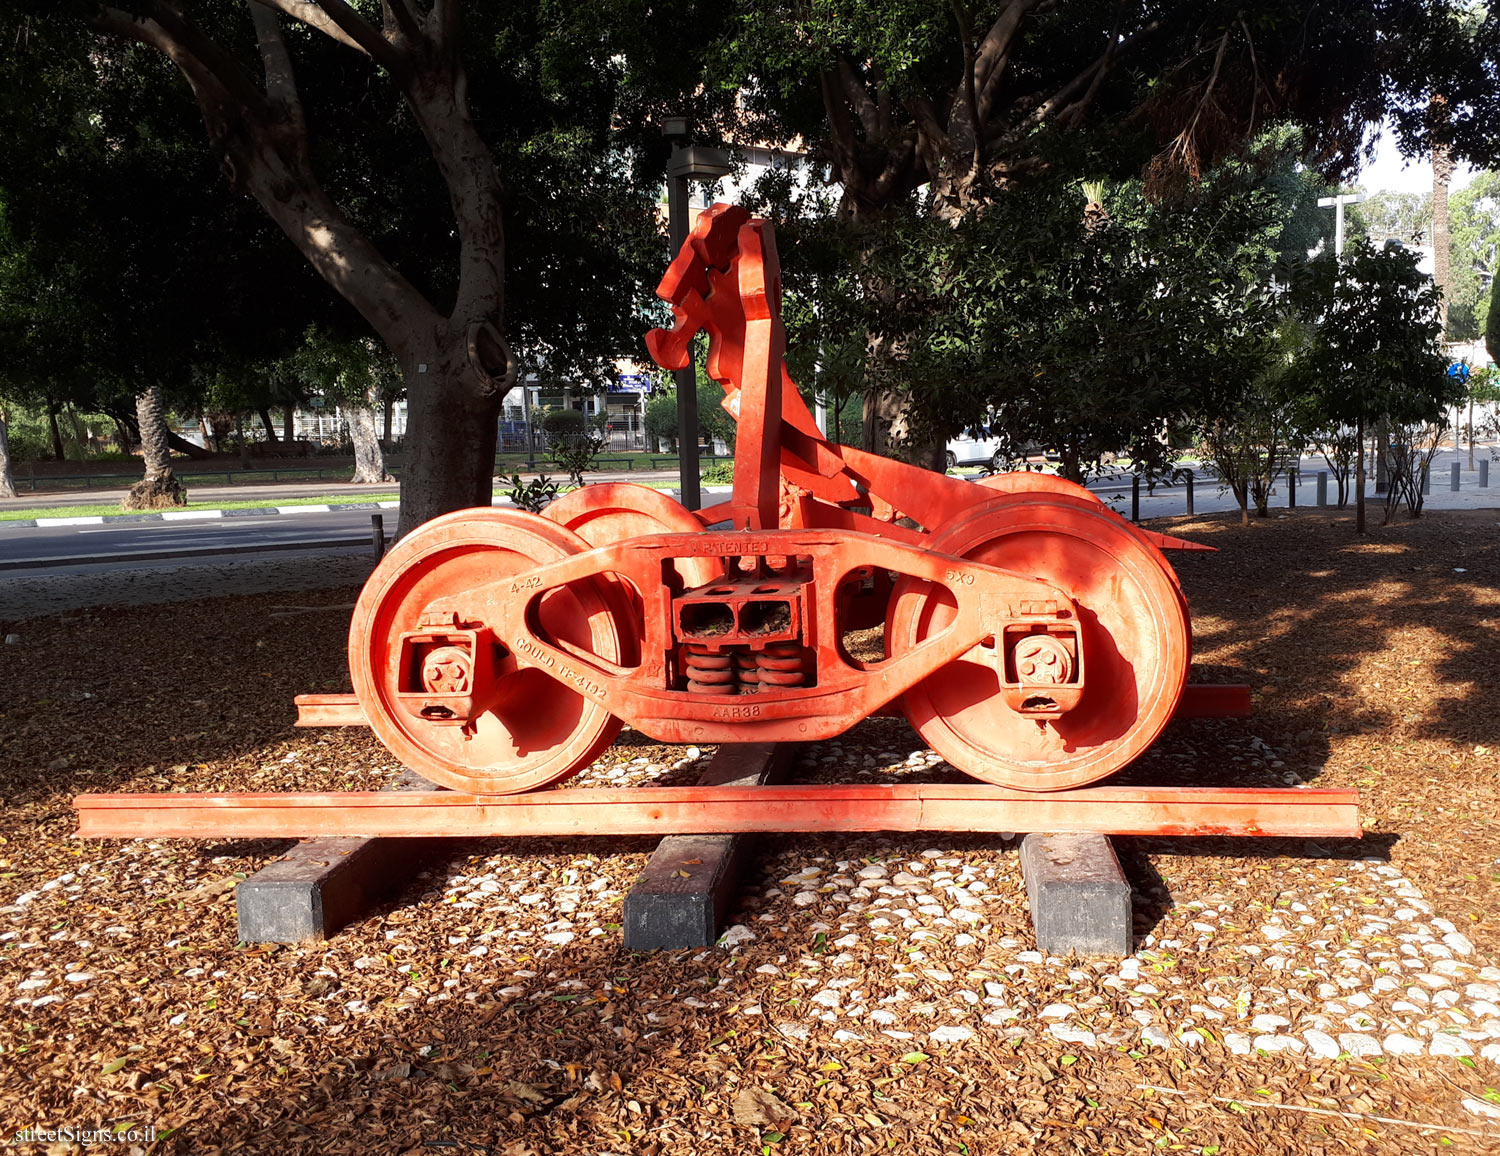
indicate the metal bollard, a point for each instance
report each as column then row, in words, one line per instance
column 1453, row 478
column 1322, row 487
column 1484, row 472
column 1291, row 490
column 1189, row 491
column 1135, row 497
column 377, row 535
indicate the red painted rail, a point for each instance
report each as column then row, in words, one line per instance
column 678, row 810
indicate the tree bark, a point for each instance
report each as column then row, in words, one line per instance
column 1442, row 174
column 160, row 486
column 183, row 446
column 265, row 420
column 1359, row 479
column 56, row 431
column 451, row 419
column 7, row 479
column 369, row 461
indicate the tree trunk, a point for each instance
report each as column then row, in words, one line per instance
column 1442, row 173
column 450, row 445
column 56, row 431
column 183, row 446
column 288, row 424
column 1359, row 479
column 369, row 462
column 265, row 420
column 160, row 486
column 123, row 435
column 456, row 368
column 7, row 479
column 390, row 414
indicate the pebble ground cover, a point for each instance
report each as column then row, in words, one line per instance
column 873, row 994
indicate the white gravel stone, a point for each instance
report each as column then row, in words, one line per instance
column 1270, row 1043
column 873, row 871
column 1445, row 1045
column 951, row 1034
column 1397, row 1044
column 738, row 934
column 558, row 937
column 1068, row 1035
column 1322, row 1045
column 1238, row 1043
column 1359, row 1044
column 1057, row 1011
column 1155, row 1037
column 1480, row 1108
column 1459, row 942
column 1265, row 1024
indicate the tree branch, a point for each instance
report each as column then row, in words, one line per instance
column 366, row 35
column 993, row 55
column 1046, row 107
column 445, row 17
column 398, row 13
column 970, row 101
column 281, row 81
column 314, row 17
column 859, row 99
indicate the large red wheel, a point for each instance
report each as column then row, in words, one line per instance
column 1134, row 639
column 1036, row 482
column 612, row 511
column 538, row 731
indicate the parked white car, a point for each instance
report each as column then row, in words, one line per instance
column 968, row 450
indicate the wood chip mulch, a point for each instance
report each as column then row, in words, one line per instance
column 876, row 994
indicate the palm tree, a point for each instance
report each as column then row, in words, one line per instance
column 160, row 486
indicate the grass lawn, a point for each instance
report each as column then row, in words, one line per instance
column 107, row 508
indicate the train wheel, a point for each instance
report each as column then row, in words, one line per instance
column 1035, row 482
column 1134, row 636
column 539, row 731
column 611, row 511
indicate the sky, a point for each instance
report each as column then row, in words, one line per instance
column 1391, row 172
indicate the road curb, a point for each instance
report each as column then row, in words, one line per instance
column 197, row 515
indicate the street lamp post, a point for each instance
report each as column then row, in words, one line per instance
column 688, row 162
column 1337, row 204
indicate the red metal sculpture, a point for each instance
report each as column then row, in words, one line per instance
column 1034, row 638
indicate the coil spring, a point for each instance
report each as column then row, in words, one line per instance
column 708, row 673
column 781, row 664
column 748, row 672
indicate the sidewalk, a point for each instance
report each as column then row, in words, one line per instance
column 272, row 491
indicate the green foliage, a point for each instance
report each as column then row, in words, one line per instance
column 713, row 422
column 661, row 419
column 534, row 495
column 1484, row 384
column 719, row 474
column 573, row 441
column 1474, row 254
column 1492, row 322
column 1249, row 438
column 1375, row 353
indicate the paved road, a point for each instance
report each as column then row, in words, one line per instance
column 27, row 547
